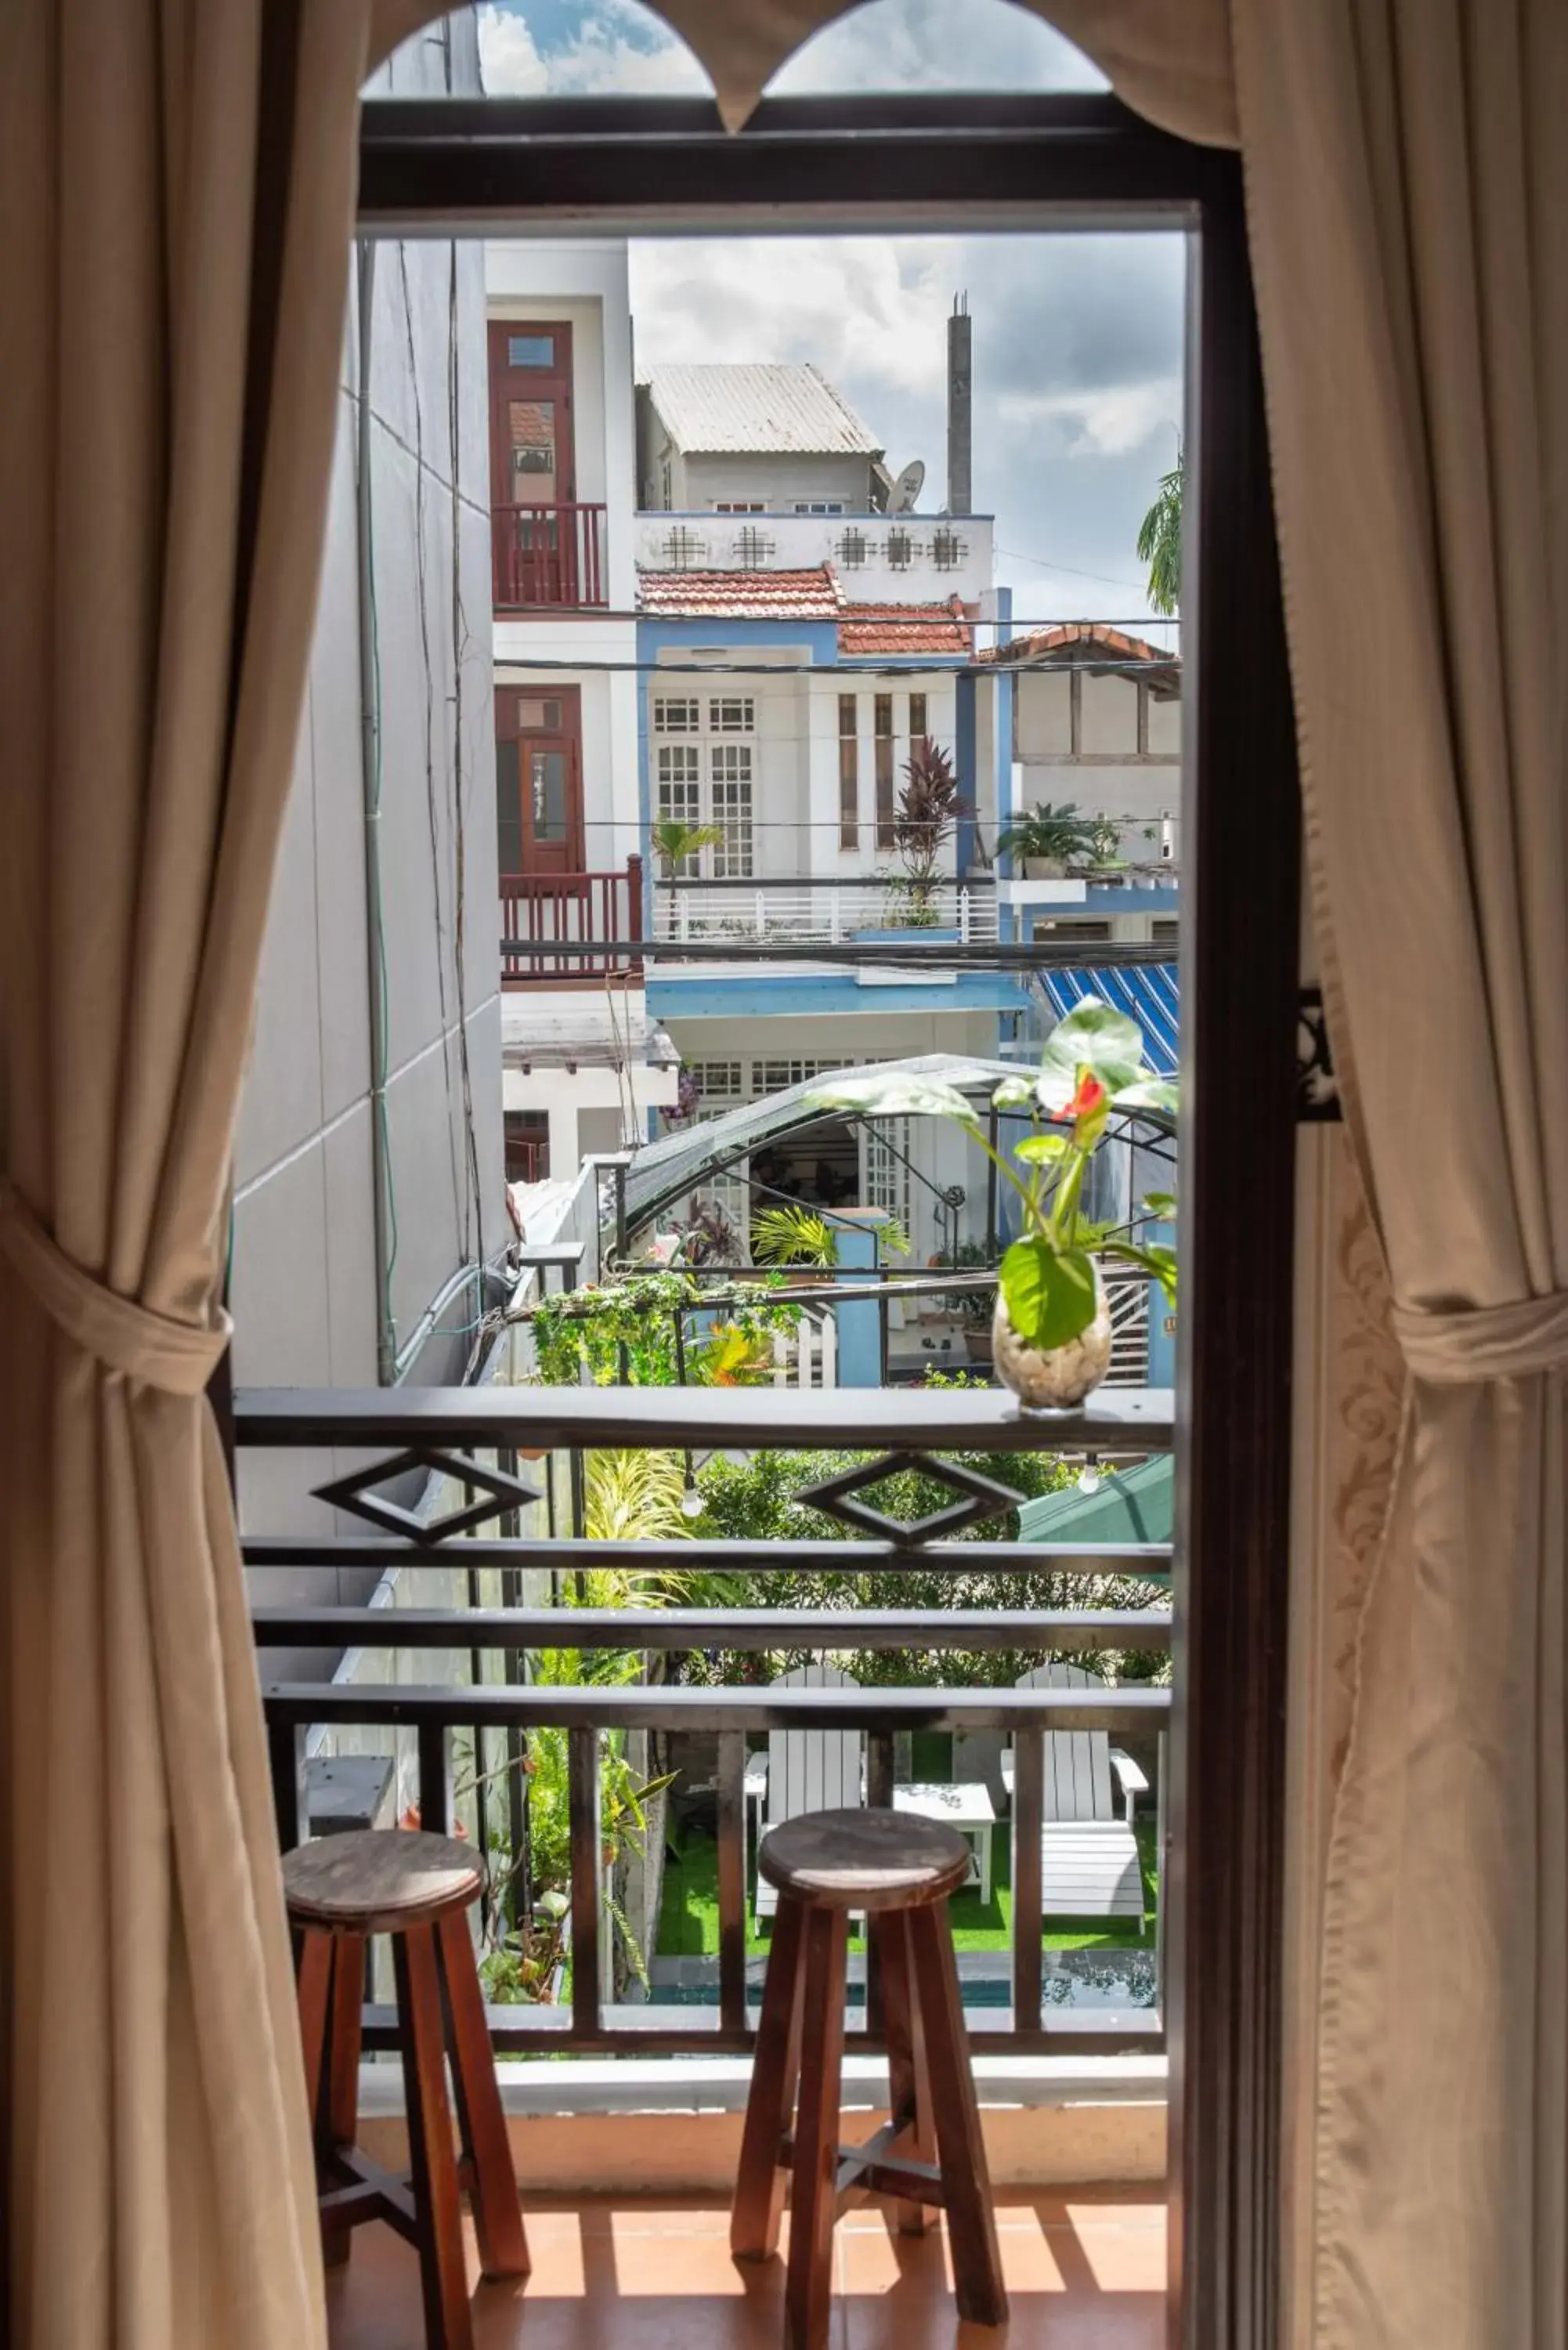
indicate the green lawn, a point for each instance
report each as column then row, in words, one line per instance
column 689, row 1915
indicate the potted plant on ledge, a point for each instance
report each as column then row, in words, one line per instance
column 1051, row 1332
column 1051, row 842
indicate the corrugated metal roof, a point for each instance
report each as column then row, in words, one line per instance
column 721, row 411
column 1146, row 991
column 813, row 595
column 905, row 628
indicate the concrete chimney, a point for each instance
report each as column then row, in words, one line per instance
column 960, row 436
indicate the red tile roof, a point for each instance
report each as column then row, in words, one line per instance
column 905, row 628
column 813, row 595
column 1112, row 645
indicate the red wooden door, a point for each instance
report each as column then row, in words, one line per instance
column 539, row 779
column 533, row 463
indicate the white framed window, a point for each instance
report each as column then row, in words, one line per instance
column 719, row 1081
column 731, row 713
column 675, row 715
column 732, row 783
column 740, row 506
column 706, row 777
column 886, row 1180
column 775, row 1076
column 820, row 505
column 679, row 780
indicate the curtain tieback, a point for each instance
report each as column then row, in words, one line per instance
column 1477, row 1343
column 121, row 1335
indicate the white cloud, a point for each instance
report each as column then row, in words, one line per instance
column 1104, row 424
column 873, row 309
column 616, row 46
column 897, row 45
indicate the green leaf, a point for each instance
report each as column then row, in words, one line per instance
column 1014, row 1093
column 1149, row 1092
column 1161, row 1204
column 891, row 1093
column 1050, row 1293
column 1039, row 1150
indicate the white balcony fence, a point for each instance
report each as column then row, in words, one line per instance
column 832, row 912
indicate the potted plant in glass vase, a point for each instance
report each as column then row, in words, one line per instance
column 1051, row 1331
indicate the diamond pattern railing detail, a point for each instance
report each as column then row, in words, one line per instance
column 980, row 1497
column 500, row 1491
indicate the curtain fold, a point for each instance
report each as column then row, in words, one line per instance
column 185, row 173
column 1407, row 198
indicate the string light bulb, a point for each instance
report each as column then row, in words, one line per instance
column 1089, row 1474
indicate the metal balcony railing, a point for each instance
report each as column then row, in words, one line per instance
column 505, row 1456
column 550, row 557
column 804, row 909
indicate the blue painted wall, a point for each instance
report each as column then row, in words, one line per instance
column 747, row 994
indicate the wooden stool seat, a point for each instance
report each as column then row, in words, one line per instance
column 864, row 1860
column 376, row 1881
column 418, row 1888
column 897, row 1870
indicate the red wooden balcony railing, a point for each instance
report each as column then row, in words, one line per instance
column 546, row 917
column 548, row 556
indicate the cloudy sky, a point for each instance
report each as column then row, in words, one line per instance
column 1077, row 340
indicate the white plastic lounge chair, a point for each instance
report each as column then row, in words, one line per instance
column 1089, row 1855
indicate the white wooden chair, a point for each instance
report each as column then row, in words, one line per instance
column 1089, row 1855
column 806, row 1770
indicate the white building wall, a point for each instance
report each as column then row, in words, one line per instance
column 1108, row 774
column 304, row 1285
column 779, row 479
column 711, row 542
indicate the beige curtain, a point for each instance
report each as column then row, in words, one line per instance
column 178, row 178
column 1408, row 206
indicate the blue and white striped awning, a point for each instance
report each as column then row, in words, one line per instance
column 1146, row 991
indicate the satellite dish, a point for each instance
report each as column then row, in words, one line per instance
column 906, row 488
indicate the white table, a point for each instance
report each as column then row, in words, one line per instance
column 967, row 1807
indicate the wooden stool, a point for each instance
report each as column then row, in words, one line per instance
column 898, row 1869
column 416, row 1888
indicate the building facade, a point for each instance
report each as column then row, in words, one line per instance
column 584, row 1065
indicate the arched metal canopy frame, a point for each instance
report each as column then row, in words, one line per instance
column 1151, row 1131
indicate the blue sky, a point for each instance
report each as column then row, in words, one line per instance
column 1077, row 340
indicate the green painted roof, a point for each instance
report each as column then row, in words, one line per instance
column 1130, row 1506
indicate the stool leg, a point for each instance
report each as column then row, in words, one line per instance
column 814, row 2199
column 448, row 2323
column 966, row 2183
column 340, row 2119
column 909, row 2085
column 759, row 2182
column 311, row 1988
column 482, row 2123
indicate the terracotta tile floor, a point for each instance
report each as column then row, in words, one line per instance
column 1084, row 2268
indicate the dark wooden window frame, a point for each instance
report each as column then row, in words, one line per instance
column 557, row 382
column 882, row 763
column 635, row 166
column 849, row 770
